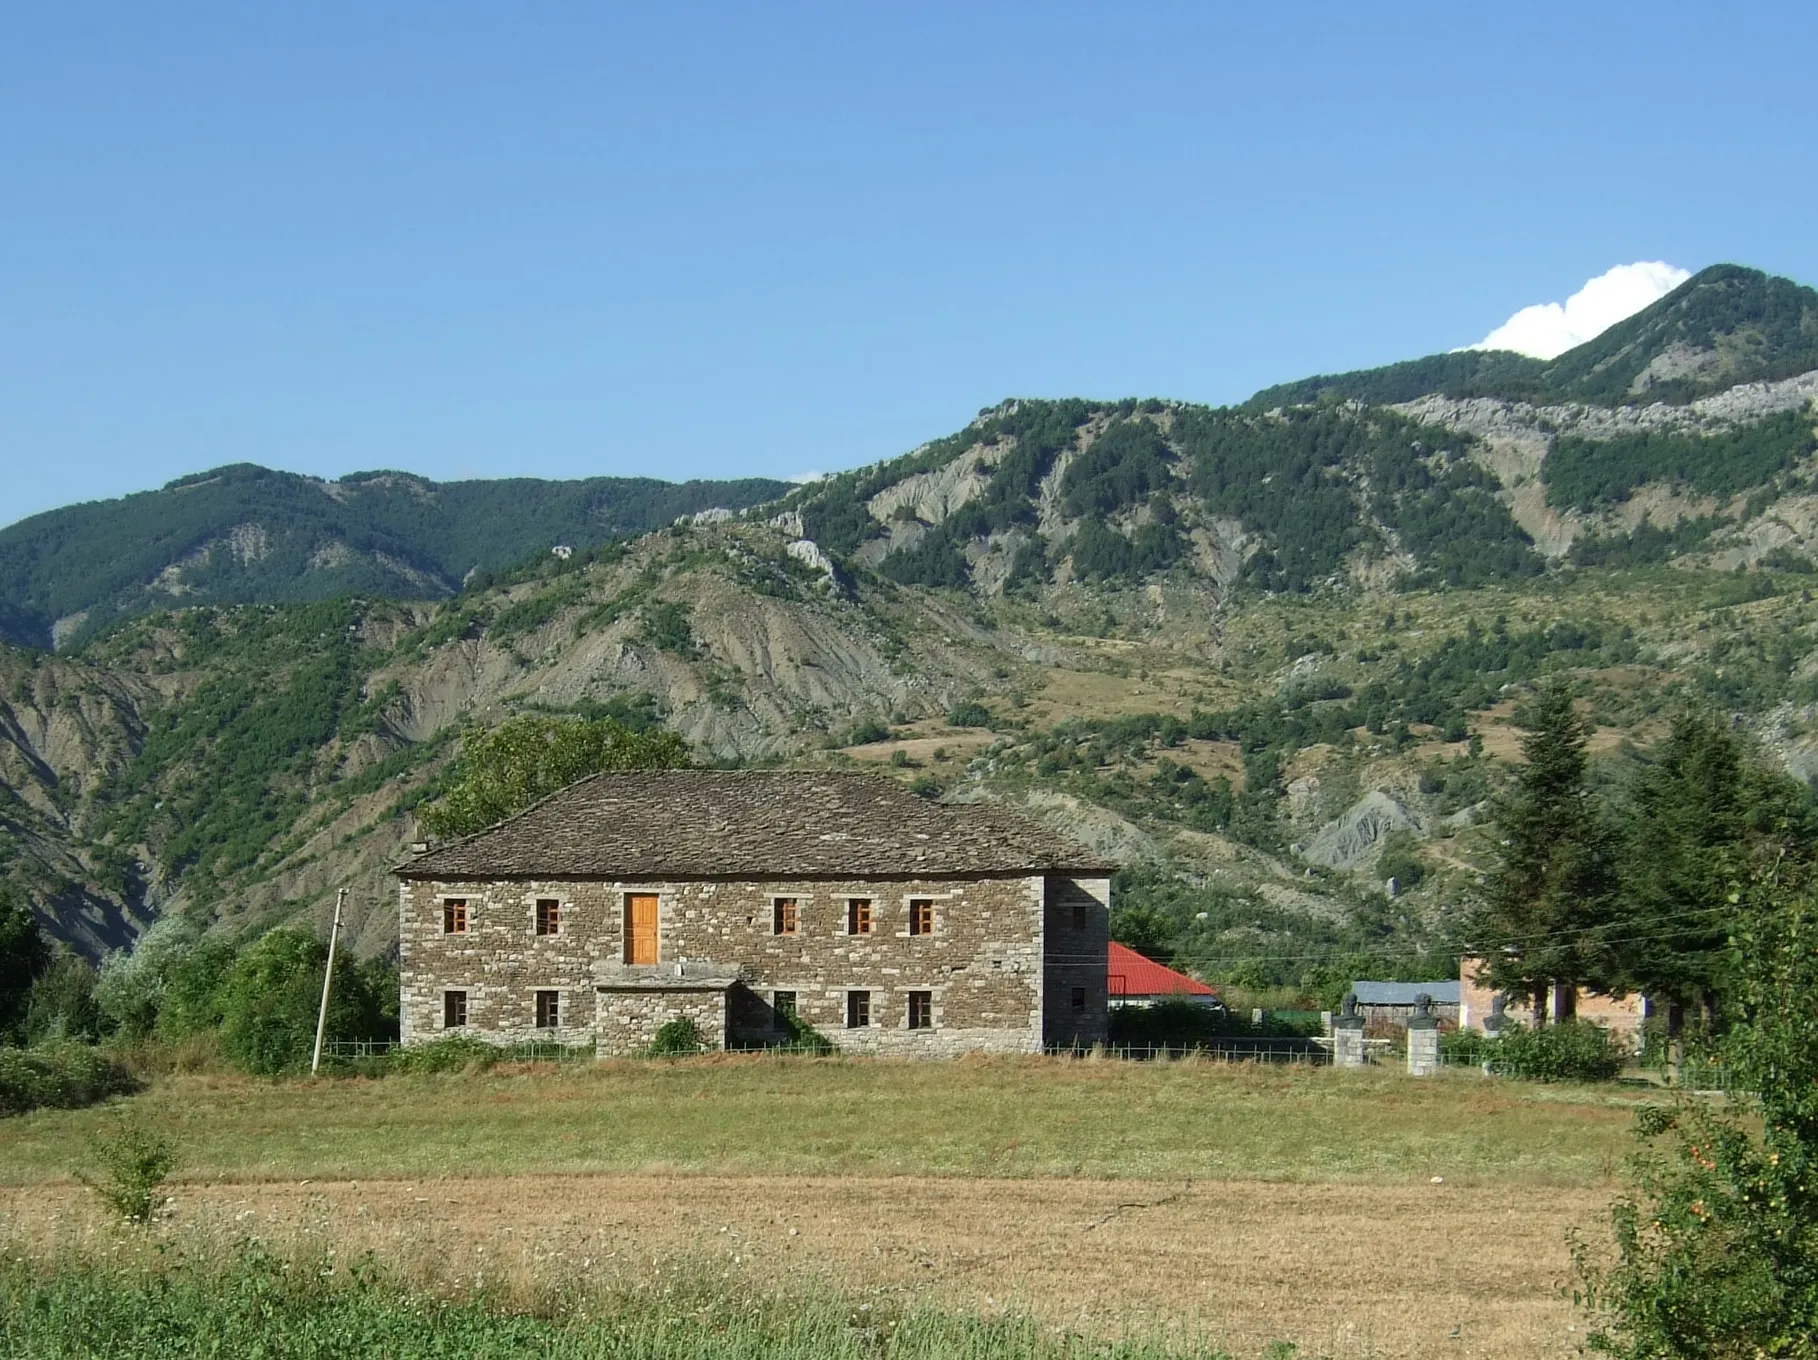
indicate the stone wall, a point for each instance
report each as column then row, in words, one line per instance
column 628, row 1018
column 982, row 965
column 1078, row 934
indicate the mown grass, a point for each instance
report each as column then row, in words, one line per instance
column 255, row 1303
column 765, row 1115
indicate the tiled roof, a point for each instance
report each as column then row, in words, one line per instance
column 1130, row 974
column 748, row 824
column 1403, row 993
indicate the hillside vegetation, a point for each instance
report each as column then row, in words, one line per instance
column 248, row 534
column 1725, row 325
column 1269, row 659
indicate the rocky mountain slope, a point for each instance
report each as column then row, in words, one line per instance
column 1271, row 659
column 248, row 534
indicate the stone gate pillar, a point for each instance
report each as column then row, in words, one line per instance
column 1347, row 1035
column 1423, row 1038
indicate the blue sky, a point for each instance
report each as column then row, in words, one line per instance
column 721, row 240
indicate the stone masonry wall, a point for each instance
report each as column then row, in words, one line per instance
column 982, row 964
column 627, row 1020
column 1078, row 934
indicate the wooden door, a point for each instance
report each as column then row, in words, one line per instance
column 640, row 927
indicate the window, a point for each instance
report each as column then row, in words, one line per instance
column 1079, row 915
column 921, row 916
column 783, row 1003
column 1079, row 998
column 921, row 1010
column 454, row 1010
column 549, row 916
column 786, row 916
column 858, row 916
column 858, row 1010
column 549, row 1010
column 454, row 916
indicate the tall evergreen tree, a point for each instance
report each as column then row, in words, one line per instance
column 1547, row 910
column 1701, row 816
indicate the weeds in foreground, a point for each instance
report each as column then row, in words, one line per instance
column 255, row 1302
column 134, row 1161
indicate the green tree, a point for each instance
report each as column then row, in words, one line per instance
column 24, row 952
column 270, row 997
column 1701, row 814
column 504, row 771
column 1546, row 914
column 1717, row 1244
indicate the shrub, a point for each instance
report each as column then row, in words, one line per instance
column 1574, row 1050
column 269, row 1000
column 677, row 1037
column 970, row 714
column 134, row 1161
column 455, row 1053
column 58, row 1076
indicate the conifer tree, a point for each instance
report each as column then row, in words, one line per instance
column 1546, row 912
column 1701, row 815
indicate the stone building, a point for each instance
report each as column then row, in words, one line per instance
column 740, row 899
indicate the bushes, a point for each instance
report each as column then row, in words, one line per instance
column 60, row 1076
column 677, row 1037
column 268, row 1002
column 1574, row 1050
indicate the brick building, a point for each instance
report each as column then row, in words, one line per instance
column 889, row 923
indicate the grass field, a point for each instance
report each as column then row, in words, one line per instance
column 1357, row 1214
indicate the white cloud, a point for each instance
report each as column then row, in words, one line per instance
column 1549, row 329
column 804, row 478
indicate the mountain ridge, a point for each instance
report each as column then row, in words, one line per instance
column 244, row 533
column 1727, row 324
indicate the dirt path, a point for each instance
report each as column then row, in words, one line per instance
column 1396, row 1271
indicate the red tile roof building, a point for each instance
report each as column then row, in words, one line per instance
column 1135, row 980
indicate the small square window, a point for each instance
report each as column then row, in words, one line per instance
column 549, row 1010
column 921, row 916
column 786, row 916
column 921, row 1010
column 1079, row 998
column 1079, row 915
column 783, row 1003
column 858, row 916
column 454, row 916
column 549, row 916
column 858, row 1010
column 454, row 1010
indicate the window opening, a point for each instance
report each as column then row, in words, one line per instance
column 1079, row 915
column 454, row 1010
column 921, row 916
column 549, row 1010
column 1079, row 998
column 858, row 916
column 786, row 916
column 921, row 1010
column 549, row 916
column 858, row 1010
column 454, row 916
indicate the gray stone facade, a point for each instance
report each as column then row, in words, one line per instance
column 1011, row 962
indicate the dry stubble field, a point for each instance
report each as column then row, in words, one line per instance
column 1246, row 1204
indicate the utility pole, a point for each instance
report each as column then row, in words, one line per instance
column 328, row 977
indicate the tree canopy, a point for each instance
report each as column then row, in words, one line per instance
column 524, row 759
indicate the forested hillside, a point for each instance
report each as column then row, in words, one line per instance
column 1275, row 661
column 248, row 534
column 1726, row 325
